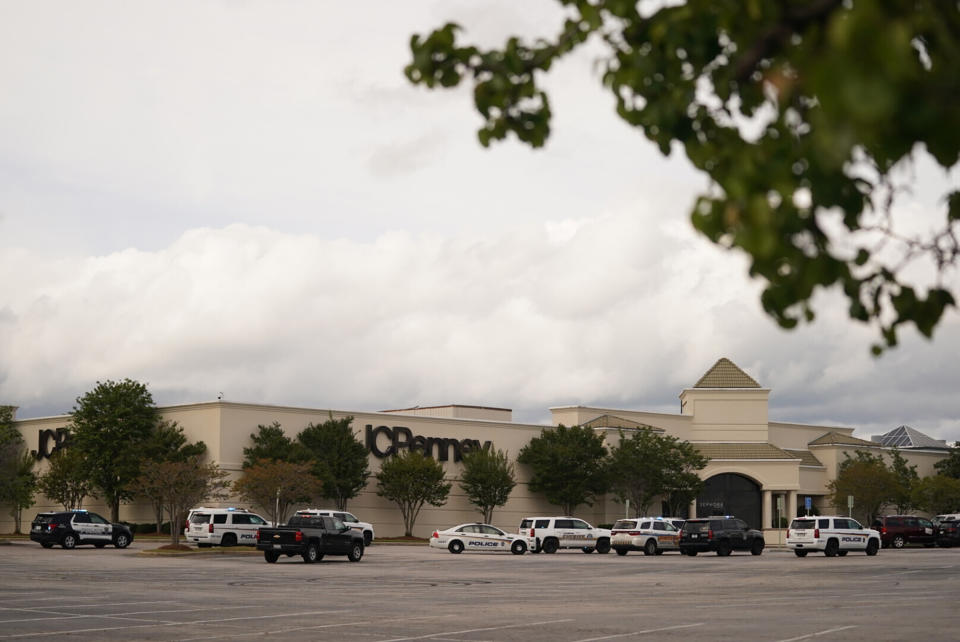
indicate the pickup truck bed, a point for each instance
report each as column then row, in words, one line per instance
column 311, row 538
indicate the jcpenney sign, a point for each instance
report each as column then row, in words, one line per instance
column 384, row 441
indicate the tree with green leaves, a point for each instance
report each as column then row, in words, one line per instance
column 648, row 465
column 907, row 477
column 568, row 465
column 801, row 113
column 410, row 480
column 487, row 479
column 168, row 444
column 110, row 426
column 276, row 485
column 937, row 494
column 18, row 482
column 272, row 444
column 951, row 465
column 866, row 477
column 178, row 484
column 67, row 480
column 338, row 459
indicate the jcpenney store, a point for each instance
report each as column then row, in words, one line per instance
column 756, row 466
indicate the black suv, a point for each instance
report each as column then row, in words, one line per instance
column 721, row 534
column 74, row 527
column 949, row 534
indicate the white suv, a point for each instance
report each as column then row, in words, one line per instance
column 350, row 520
column 831, row 535
column 652, row 535
column 554, row 533
column 223, row 527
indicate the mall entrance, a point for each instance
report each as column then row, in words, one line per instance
column 731, row 494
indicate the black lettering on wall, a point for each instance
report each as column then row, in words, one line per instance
column 399, row 437
column 50, row 441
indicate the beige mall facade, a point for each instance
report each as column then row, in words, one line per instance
column 755, row 465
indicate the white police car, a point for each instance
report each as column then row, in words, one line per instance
column 831, row 535
column 223, row 527
column 554, row 533
column 480, row 537
column 365, row 528
column 652, row 535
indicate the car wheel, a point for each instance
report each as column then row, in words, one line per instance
column 621, row 551
column 229, row 540
column 550, row 546
column 757, row 547
column 455, row 547
column 872, row 547
column 650, row 548
column 312, row 554
column 356, row 552
column 587, row 549
column 122, row 540
column 518, row 548
column 832, row 548
column 69, row 541
column 603, row 546
column 723, row 549
column 46, row 544
column 367, row 538
column 799, row 553
column 898, row 541
column 271, row 556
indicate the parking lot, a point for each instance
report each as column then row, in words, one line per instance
column 415, row 593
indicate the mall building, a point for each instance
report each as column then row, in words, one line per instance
column 759, row 470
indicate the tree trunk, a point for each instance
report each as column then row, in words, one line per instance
column 115, row 510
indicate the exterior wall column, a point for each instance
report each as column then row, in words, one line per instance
column 791, row 505
column 767, row 519
column 693, row 509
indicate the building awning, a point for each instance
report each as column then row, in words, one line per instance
column 806, row 457
column 744, row 451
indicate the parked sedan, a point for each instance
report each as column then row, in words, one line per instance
column 481, row 537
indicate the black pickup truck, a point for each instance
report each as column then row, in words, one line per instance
column 311, row 538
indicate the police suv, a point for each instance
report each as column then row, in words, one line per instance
column 223, row 527
column 480, row 537
column 71, row 528
column 554, row 533
column 365, row 528
column 831, row 535
column 652, row 535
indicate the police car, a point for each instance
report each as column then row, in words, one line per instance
column 652, row 535
column 223, row 527
column 831, row 535
column 365, row 528
column 480, row 537
column 554, row 533
column 72, row 528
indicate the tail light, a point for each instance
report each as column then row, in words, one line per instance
column 533, row 532
column 883, row 530
column 298, row 537
column 816, row 533
column 186, row 525
column 710, row 534
column 210, row 528
column 633, row 533
column 256, row 535
column 435, row 535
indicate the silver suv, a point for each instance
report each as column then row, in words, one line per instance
column 554, row 533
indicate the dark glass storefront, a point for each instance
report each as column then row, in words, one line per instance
column 731, row 494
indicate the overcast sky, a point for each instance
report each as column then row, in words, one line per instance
column 248, row 198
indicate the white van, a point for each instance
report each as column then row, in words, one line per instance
column 223, row 527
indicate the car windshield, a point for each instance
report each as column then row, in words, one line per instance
column 44, row 519
column 624, row 524
column 802, row 523
column 200, row 518
column 696, row 527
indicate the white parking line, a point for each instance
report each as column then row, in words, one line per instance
column 65, row 616
column 161, row 624
column 318, row 626
column 623, row 635
column 79, row 606
column 818, row 633
column 489, row 628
